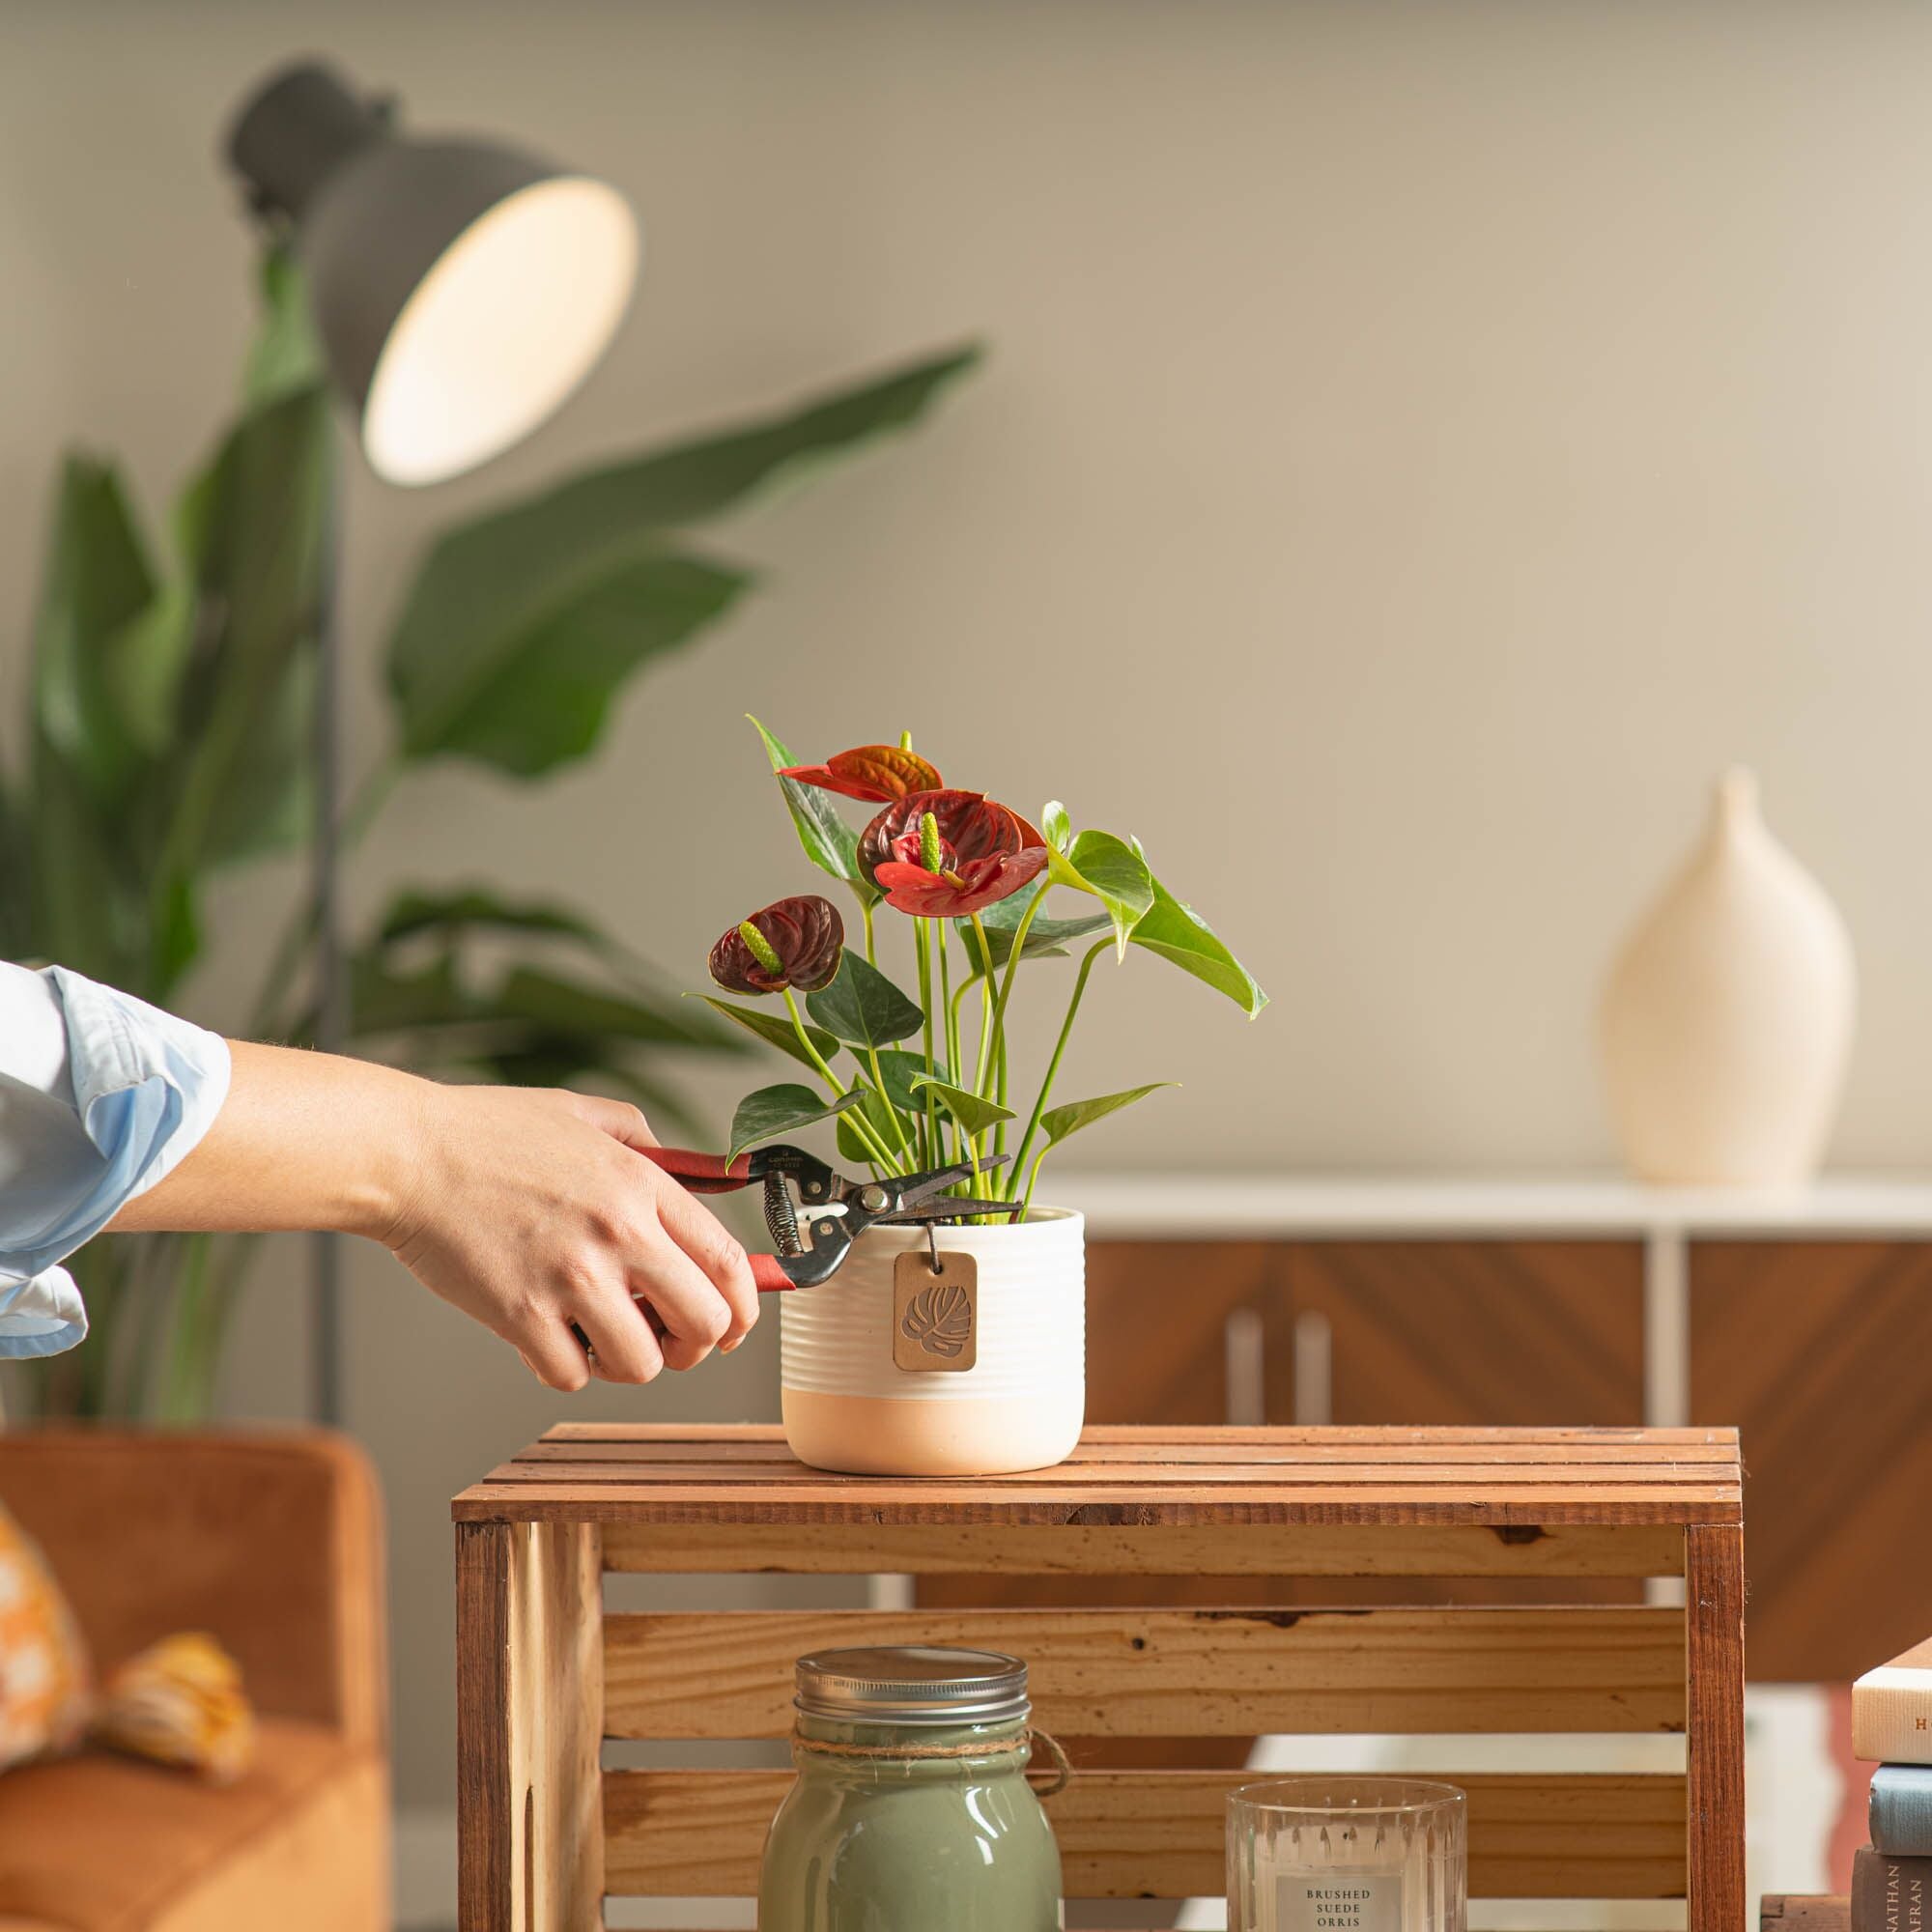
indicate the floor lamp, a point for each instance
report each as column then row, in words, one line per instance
column 462, row 289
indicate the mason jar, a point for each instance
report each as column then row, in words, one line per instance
column 912, row 1806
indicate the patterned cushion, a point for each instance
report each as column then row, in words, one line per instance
column 44, row 1691
column 180, row 1702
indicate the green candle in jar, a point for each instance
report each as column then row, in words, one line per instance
column 912, row 1806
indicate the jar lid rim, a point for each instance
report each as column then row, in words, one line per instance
column 912, row 1684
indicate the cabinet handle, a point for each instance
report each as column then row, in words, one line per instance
column 1242, row 1342
column 1314, row 1370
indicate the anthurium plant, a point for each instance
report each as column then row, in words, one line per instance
column 957, row 884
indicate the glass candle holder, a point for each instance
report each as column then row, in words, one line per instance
column 1348, row 1855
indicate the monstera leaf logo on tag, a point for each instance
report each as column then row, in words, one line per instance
column 940, row 1320
column 935, row 1314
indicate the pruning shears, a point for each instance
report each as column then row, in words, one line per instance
column 837, row 1210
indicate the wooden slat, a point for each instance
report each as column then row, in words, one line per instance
column 1158, row 1834
column 1713, row 1637
column 1216, row 1437
column 528, row 1692
column 779, row 1481
column 955, row 1549
column 1192, row 1673
column 1045, row 1503
column 754, row 1462
column 1502, row 1477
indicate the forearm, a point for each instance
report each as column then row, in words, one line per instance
column 530, row 1210
column 303, row 1140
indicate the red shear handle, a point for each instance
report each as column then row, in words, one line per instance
column 712, row 1173
column 769, row 1273
column 701, row 1173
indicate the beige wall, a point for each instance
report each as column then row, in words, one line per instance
column 1423, row 442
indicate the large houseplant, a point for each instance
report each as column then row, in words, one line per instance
column 167, row 740
column 961, row 1351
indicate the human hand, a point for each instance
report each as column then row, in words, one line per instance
column 531, row 1209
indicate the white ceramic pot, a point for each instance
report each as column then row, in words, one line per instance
column 871, row 1368
column 1729, row 1015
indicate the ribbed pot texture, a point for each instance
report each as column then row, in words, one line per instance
column 849, row 1406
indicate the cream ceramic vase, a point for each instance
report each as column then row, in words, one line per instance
column 888, row 1370
column 1727, row 1020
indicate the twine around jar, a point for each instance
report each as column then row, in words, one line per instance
column 1016, row 1746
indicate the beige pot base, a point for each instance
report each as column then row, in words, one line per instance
column 875, row 1435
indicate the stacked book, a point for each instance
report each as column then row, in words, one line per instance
column 1891, row 1725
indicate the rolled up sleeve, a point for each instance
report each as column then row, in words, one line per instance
column 100, row 1096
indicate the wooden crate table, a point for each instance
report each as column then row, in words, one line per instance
column 545, row 1674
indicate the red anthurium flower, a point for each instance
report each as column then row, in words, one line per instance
column 949, row 854
column 873, row 772
column 796, row 942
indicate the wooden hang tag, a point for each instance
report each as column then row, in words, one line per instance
column 935, row 1317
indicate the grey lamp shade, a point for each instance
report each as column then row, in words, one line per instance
column 462, row 289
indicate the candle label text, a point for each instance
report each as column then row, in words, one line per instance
column 1340, row 1901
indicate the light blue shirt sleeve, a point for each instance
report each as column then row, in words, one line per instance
column 101, row 1095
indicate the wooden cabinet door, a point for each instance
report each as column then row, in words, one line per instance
column 1466, row 1331
column 1158, row 1316
column 1819, row 1352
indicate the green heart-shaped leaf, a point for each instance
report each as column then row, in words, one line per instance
column 1113, row 873
column 876, row 1116
column 1178, row 933
column 903, row 1073
column 973, row 1113
column 827, row 840
column 1056, row 825
column 774, row 1030
column 1060, row 1122
column 1046, row 938
column 773, row 1111
column 862, row 1007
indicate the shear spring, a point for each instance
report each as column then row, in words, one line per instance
column 780, row 1216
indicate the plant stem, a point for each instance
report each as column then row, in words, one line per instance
column 1012, row 970
column 984, row 1067
column 861, row 1127
column 891, row 1112
column 945, row 1005
column 930, row 1152
column 1026, row 1200
column 871, row 941
column 1000, row 1092
column 1093, row 952
column 953, row 1070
